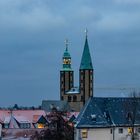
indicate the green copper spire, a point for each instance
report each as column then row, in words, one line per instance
column 66, row 58
column 86, row 62
column 66, row 53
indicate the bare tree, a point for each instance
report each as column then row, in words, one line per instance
column 132, row 113
column 59, row 129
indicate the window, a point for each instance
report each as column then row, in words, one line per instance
column 139, row 129
column 69, row 98
column 82, row 85
column 91, row 88
column 62, row 89
column 62, row 73
column 62, row 79
column 110, row 131
column 93, row 117
column 82, row 77
column 25, row 125
column 62, row 85
column 81, row 72
column 74, row 98
column 71, row 78
column 84, row 133
column 129, row 130
column 81, row 88
column 71, row 84
column 62, row 98
column 120, row 130
column 6, row 125
column 82, row 98
column 130, row 116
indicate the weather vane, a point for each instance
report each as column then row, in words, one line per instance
column 86, row 31
column 66, row 43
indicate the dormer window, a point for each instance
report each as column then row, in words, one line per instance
column 129, row 116
column 93, row 117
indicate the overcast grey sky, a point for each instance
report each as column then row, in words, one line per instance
column 32, row 34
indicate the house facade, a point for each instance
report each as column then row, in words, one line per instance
column 109, row 119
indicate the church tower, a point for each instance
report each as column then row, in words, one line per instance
column 86, row 74
column 76, row 96
column 66, row 74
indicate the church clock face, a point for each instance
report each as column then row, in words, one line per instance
column 67, row 61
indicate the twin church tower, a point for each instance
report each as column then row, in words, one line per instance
column 76, row 97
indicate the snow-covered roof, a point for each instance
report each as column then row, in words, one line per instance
column 109, row 112
column 22, row 119
column 74, row 90
column 20, row 116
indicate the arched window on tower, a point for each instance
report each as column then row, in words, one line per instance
column 74, row 98
column 69, row 98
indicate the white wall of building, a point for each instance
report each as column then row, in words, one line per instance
column 99, row 134
column 105, row 134
column 121, row 136
column 125, row 135
column 94, row 134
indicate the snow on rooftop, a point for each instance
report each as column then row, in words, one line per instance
column 22, row 119
column 7, row 119
column 21, row 116
column 74, row 90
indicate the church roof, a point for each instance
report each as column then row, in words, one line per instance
column 86, row 62
column 47, row 105
column 107, row 112
column 74, row 90
column 66, row 53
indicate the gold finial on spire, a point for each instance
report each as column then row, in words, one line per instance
column 86, row 31
column 66, row 43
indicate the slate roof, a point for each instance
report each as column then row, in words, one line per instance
column 107, row 112
column 86, row 62
column 47, row 105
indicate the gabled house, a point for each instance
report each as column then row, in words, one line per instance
column 23, row 119
column 109, row 119
column 39, row 121
column 21, row 122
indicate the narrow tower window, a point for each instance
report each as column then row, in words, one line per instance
column 69, row 98
column 74, row 98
